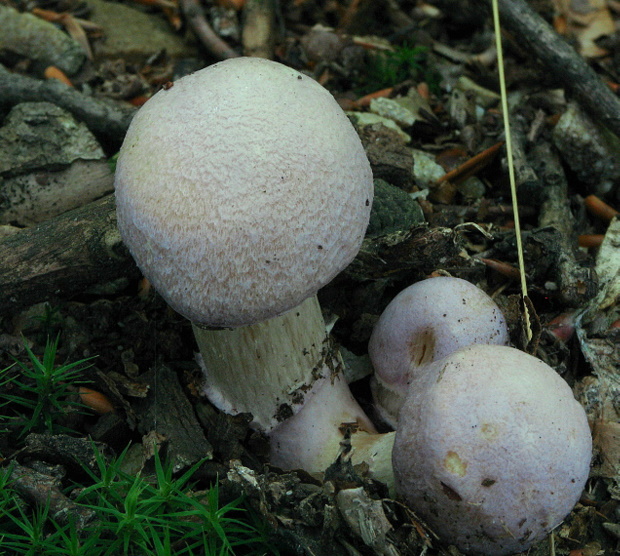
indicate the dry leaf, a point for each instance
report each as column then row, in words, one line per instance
column 586, row 20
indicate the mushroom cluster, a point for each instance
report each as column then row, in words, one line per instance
column 241, row 190
column 492, row 450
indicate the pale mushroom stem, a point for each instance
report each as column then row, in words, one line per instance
column 267, row 368
column 287, row 374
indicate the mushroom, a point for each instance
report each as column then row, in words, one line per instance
column 425, row 322
column 241, row 190
column 492, row 449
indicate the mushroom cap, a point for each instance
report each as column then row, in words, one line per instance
column 241, row 190
column 492, row 449
column 425, row 322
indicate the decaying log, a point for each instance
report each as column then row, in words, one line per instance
column 167, row 411
column 259, row 28
column 108, row 121
column 40, row 489
column 75, row 251
column 576, row 283
column 537, row 37
column 63, row 256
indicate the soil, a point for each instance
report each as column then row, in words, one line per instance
column 439, row 57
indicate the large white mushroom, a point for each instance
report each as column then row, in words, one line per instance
column 492, row 449
column 241, row 190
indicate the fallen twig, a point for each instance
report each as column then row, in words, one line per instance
column 107, row 120
column 537, row 37
column 576, row 283
column 206, row 35
column 63, row 256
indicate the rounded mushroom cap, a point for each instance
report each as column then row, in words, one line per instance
column 241, row 190
column 425, row 322
column 492, row 449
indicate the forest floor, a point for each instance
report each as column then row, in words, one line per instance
column 420, row 83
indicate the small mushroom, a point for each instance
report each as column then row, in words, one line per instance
column 241, row 190
column 425, row 322
column 322, row 423
column 492, row 449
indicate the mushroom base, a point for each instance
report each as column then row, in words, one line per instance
column 288, row 375
column 388, row 400
column 321, row 431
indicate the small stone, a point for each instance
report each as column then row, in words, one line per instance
column 425, row 170
column 134, row 35
column 394, row 110
column 36, row 39
column 472, row 189
column 49, row 164
column 58, row 137
column 362, row 119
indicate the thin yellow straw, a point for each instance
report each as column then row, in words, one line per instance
column 511, row 171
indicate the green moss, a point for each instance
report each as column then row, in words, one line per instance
column 388, row 68
column 392, row 210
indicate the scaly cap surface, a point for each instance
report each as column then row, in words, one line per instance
column 241, row 190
